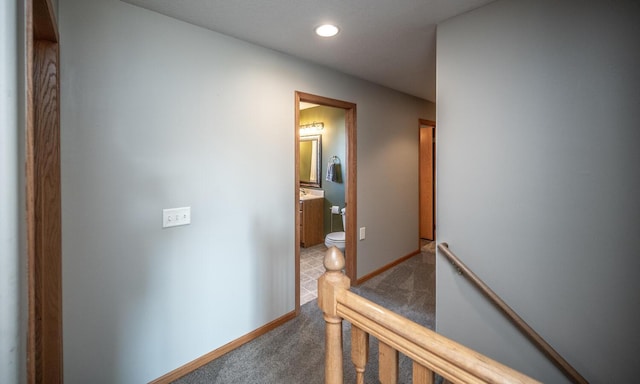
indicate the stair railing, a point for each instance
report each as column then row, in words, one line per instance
column 567, row 369
column 431, row 353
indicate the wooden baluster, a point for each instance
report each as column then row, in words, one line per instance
column 388, row 366
column 329, row 284
column 359, row 351
column 422, row 374
column 333, row 371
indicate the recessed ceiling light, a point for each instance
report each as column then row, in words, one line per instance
column 327, row 30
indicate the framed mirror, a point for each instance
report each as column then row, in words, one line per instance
column 310, row 161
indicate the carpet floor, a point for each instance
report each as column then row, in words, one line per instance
column 294, row 352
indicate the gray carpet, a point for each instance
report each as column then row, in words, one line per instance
column 294, row 352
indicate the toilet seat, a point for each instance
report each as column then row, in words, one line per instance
column 336, row 239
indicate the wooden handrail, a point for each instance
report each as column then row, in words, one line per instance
column 566, row 368
column 430, row 352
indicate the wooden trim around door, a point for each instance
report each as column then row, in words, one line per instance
column 43, row 198
column 351, row 200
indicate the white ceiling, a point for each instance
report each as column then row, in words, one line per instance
column 389, row 42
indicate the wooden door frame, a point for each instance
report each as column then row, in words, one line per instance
column 350, row 186
column 43, row 199
column 429, row 123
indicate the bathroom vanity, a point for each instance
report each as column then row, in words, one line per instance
column 311, row 221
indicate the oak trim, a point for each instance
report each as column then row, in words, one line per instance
column 387, row 363
column 386, row 267
column 421, row 374
column 296, row 193
column 395, row 333
column 216, row 353
column 43, row 195
column 443, row 356
column 359, row 352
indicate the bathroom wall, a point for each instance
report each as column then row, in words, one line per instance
column 154, row 116
column 538, row 182
column 333, row 143
column 13, row 306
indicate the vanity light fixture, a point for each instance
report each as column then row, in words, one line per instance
column 327, row 30
column 311, row 129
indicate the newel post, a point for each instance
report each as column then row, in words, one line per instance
column 329, row 284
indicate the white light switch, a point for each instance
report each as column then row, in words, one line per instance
column 362, row 233
column 172, row 217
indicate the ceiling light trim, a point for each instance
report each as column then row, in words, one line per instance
column 327, row 30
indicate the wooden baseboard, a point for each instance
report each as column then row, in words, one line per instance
column 209, row 357
column 386, row 267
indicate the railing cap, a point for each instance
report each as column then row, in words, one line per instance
column 333, row 260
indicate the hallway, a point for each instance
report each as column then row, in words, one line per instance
column 294, row 352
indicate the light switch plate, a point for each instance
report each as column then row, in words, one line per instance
column 363, row 232
column 172, row 217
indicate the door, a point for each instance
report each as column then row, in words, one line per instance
column 427, row 180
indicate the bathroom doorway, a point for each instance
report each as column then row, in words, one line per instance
column 342, row 152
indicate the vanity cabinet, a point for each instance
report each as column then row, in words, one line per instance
column 311, row 222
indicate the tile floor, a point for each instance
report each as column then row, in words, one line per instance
column 311, row 268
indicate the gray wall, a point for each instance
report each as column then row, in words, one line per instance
column 154, row 115
column 13, row 305
column 538, row 181
column 54, row 4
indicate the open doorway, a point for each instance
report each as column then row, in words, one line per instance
column 322, row 190
column 427, row 169
column 344, row 184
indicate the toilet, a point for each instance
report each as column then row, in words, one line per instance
column 337, row 239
